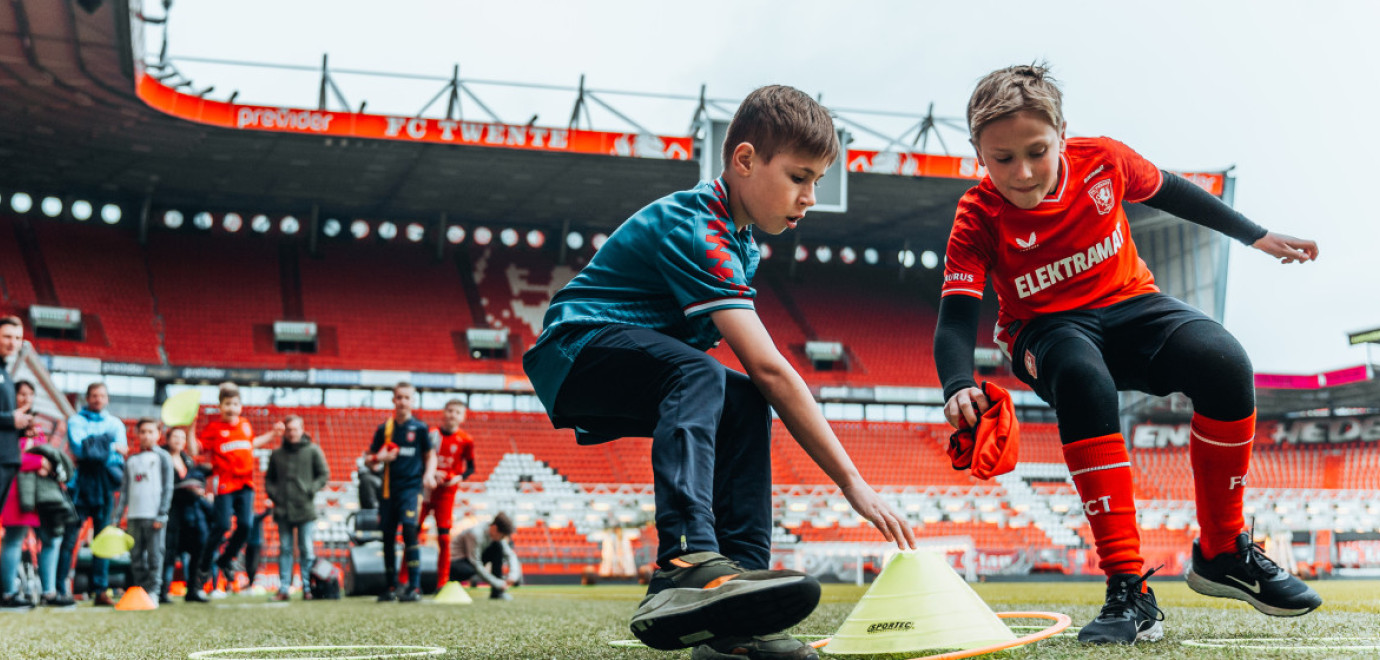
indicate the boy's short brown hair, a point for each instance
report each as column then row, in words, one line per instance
column 777, row 118
column 1004, row 92
column 147, row 420
column 10, row 319
column 504, row 524
column 455, row 402
column 229, row 390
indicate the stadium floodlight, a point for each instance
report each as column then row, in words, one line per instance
column 801, row 254
column 331, row 227
column 232, row 222
column 51, row 207
column 81, row 210
column 848, row 255
column 906, row 257
column 415, row 232
column 574, row 240
column 455, row 234
column 508, row 237
column 260, row 224
column 111, row 214
column 388, row 231
column 536, row 238
column 172, row 218
column 21, row 202
column 929, row 259
column 359, row 229
column 598, row 241
column 203, row 221
column 824, row 254
column 870, row 256
column 482, row 235
column 289, row 225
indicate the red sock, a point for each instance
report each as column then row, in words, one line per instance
column 1101, row 471
column 1221, row 456
column 442, row 560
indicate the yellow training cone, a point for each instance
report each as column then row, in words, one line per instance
column 180, row 409
column 453, row 594
column 135, row 599
column 111, row 543
column 918, row 602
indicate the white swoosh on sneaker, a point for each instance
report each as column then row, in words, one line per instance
column 1254, row 587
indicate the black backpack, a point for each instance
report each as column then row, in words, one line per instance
column 324, row 580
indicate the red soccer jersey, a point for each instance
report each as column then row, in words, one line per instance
column 451, row 453
column 231, row 447
column 1072, row 251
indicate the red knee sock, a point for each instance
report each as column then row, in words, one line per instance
column 442, row 559
column 1221, row 455
column 1101, row 471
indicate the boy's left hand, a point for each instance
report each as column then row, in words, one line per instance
column 1287, row 248
column 871, row 506
column 157, row 525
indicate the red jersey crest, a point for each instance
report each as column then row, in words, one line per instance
column 1102, row 197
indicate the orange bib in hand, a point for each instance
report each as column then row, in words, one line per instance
column 993, row 447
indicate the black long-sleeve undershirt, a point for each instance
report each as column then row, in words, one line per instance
column 955, row 334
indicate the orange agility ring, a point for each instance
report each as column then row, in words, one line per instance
column 1061, row 621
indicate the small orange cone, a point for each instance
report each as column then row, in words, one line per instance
column 135, row 599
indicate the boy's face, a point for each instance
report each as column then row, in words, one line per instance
column 773, row 196
column 454, row 417
column 148, row 436
column 403, row 399
column 1021, row 154
column 230, row 408
column 495, row 534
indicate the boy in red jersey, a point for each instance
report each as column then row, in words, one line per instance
column 454, row 464
column 1081, row 318
column 229, row 444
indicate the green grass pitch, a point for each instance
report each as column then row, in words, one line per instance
column 579, row 622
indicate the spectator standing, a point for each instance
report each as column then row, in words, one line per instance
column 297, row 470
column 98, row 444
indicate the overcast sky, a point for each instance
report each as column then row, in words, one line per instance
column 1287, row 92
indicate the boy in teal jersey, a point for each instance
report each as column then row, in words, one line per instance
column 623, row 354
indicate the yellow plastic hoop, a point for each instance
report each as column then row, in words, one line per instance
column 1061, row 621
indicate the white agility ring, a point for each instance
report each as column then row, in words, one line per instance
column 1298, row 643
column 635, row 644
column 277, row 651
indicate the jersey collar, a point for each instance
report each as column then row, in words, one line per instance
column 1058, row 195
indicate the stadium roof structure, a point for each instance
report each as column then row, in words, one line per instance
column 85, row 115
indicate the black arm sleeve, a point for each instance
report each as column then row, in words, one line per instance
column 1180, row 197
column 469, row 469
column 955, row 337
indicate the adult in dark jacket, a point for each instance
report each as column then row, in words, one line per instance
column 296, row 472
column 12, row 419
column 188, row 519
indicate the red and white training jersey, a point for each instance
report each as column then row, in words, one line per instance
column 452, row 451
column 1072, row 251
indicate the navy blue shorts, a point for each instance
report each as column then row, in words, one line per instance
column 400, row 508
column 1129, row 335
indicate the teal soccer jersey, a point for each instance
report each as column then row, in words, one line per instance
column 665, row 268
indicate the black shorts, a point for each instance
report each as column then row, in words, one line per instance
column 401, row 508
column 1128, row 334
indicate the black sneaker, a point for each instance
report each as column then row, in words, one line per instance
column 779, row 646
column 1130, row 614
column 57, row 601
column 705, row 596
column 388, row 595
column 15, row 603
column 195, row 596
column 410, row 595
column 1249, row 575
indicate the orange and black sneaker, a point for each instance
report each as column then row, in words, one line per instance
column 705, row 596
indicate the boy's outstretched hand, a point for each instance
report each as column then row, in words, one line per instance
column 870, row 505
column 1287, row 248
